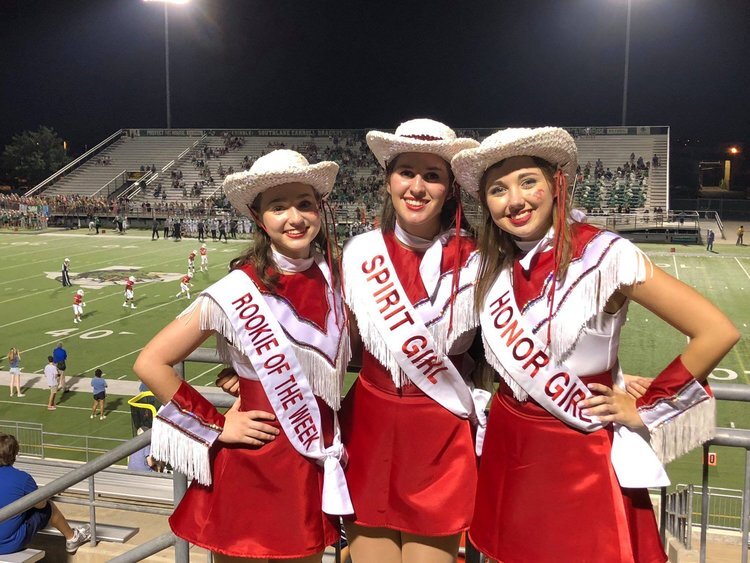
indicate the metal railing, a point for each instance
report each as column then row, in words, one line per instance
column 105, row 461
column 113, row 184
column 74, row 164
column 30, row 436
column 34, row 441
column 678, row 514
column 734, row 438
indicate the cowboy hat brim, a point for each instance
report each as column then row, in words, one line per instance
column 553, row 144
column 386, row 146
column 242, row 188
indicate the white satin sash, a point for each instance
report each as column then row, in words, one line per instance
column 515, row 351
column 407, row 338
column 268, row 349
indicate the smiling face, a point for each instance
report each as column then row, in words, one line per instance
column 291, row 217
column 519, row 198
column 419, row 184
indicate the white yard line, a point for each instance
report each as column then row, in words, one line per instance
column 25, row 264
column 67, row 307
column 204, row 373
column 140, row 312
column 91, row 369
column 59, row 407
column 108, row 261
column 677, row 275
column 741, row 266
column 119, row 292
column 26, row 295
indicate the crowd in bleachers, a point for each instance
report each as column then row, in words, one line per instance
column 61, row 203
column 621, row 190
column 358, row 194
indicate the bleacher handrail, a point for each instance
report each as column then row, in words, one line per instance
column 131, row 195
column 74, row 164
column 122, row 174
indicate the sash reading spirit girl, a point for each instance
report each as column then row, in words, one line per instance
column 405, row 335
column 510, row 344
column 268, row 349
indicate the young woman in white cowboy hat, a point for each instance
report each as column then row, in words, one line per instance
column 565, row 466
column 264, row 470
column 407, row 420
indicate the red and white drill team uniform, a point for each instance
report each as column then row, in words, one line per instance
column 548, row 491
column 191, row 262
column 264, row 502
column 411, row 461
column 204, row 257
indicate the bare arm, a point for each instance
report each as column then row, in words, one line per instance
column 711, row 336
column 711, row 333
column 172, row 345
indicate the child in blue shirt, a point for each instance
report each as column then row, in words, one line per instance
column 100, row 385
column 16, row 532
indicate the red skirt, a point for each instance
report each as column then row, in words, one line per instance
column 547, row 492
column 264, row 502
column 411, row 462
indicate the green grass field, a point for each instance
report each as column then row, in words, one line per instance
column 36, row 313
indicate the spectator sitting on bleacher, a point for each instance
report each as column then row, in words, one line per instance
column 18, row 531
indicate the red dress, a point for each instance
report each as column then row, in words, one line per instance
column 264, row 502
column 411, row 462
column 547, row 491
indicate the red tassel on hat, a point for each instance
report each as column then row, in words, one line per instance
column 561, row 198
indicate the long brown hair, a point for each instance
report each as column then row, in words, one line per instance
column 259, row 253
column 496, row 247
column 447, row 213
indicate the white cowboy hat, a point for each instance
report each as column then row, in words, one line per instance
column 553, row 144
column 278, row 167
column 417, row 135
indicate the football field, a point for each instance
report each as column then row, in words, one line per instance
column 36, row 313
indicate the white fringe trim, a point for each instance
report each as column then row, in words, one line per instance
column 465, row 319
column 624, row 265
column 325, row 381
column 186, row 455
column 685, row 431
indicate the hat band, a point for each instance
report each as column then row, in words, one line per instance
column 424, row 137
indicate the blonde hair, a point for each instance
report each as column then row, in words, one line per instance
column 496, row 247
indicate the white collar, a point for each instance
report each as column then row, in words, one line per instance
column 294, row 265
column 534, row 247
column 414, row 242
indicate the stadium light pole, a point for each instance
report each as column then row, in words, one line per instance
column 166, row 50
column 627, row 64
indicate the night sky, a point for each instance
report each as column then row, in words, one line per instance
column 90, row 67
